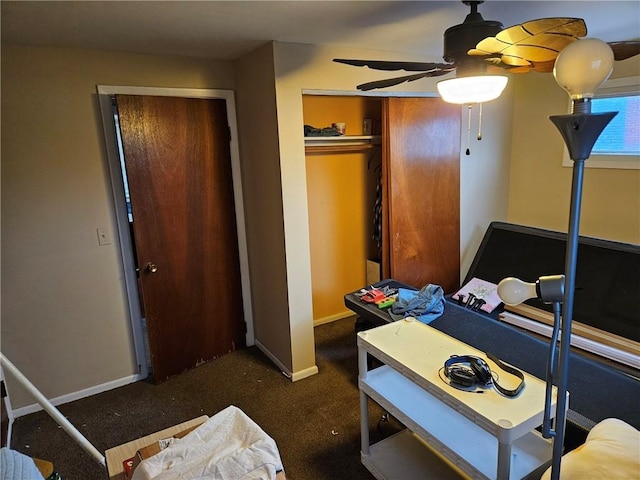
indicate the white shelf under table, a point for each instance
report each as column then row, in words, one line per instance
column 480, row 433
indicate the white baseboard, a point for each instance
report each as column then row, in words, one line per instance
column 307, row 372
column 294, row 376
column 70, row 397
column 7, row 407
column 333, row 318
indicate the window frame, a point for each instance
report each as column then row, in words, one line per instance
column 613, row 87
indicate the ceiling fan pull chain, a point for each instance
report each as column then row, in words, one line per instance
column 469, row 107
column 480, row 122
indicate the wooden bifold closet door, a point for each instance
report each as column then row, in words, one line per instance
column 421, row 192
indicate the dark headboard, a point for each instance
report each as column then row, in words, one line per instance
column 607, row 276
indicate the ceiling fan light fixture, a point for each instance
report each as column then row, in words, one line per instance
column 474, row 89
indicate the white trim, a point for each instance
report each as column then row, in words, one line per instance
column 614, row 86
column 302, row 374
column 333, row 318
column 164, row 92
column 285, row 371
column 73, row 396
column 293, row 376
column 124, row 243
column 105, row 92
column 7, row 406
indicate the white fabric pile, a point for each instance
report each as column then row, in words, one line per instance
column 227, row 446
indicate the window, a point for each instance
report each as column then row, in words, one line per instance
column 619, row 144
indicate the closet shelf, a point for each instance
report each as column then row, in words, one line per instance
column 347, row 143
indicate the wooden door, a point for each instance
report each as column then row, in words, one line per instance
column 421, row 192
column 178, row 165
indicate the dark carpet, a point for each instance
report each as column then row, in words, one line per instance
column 315, row 422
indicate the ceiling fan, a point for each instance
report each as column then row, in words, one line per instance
column 479, row 46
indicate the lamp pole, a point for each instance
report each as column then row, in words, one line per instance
column 580, row 69
column 580, row 132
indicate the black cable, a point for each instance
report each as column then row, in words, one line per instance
column 512, row 371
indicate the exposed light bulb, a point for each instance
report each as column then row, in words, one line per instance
column 513, row 291
column 582, row 66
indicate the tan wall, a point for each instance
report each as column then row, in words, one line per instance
column 64, row 316
column 258, row 135
column 540, row 187
column 63, row 297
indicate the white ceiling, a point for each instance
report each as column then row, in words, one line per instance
column 226, row 30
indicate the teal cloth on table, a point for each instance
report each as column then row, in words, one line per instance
column 425, row 304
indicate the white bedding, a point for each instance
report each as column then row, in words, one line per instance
column 227, row 446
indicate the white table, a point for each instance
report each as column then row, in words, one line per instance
column 449, row 431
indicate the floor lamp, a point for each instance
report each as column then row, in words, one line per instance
column 579, row 69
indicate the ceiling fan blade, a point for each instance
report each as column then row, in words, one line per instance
column 509, row 61
column 624, row 50
column 543, row 67
column 548, row 28
column 534, row 42
column 572, row 27
column 390, row 82
column 500, row 68
column 389, row 66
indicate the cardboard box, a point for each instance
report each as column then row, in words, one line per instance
column 373, row 272
column 117, row 455
column 157, row 446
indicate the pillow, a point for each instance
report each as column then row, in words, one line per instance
column 611, row 451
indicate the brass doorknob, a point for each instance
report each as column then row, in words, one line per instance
column 151, row 267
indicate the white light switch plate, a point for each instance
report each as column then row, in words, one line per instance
column 104, row 237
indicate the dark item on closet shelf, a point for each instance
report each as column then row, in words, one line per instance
column 310, row 131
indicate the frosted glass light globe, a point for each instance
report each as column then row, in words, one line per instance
column 582, row 66
column 476, row 89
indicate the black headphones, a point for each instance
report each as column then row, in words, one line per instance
column 467, row 370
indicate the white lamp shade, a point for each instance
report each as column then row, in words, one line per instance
column 477, row 89
column 513, row 291
column 582, row 66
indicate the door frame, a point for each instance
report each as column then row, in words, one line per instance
column 125, row 244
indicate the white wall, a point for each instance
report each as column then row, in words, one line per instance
column 64, row 317
column 484, row 175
